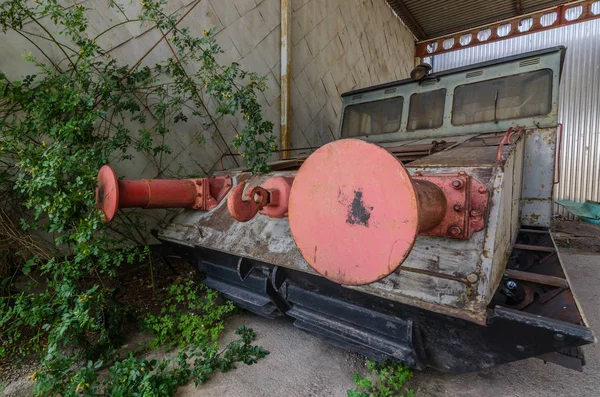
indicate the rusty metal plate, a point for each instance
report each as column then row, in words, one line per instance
column 353, row 212
column 467, row 201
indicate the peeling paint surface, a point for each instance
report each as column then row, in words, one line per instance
column 484, row 254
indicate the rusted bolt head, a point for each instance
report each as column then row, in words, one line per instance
column 462, row 173
column 418, row 174
column 476, row 214
column 458, row 207
column 482, row 189
column 199, row 195
column 472, row 278
column 199, row 182
column 457, row 184
column 454, row 231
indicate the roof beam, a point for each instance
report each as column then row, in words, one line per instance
column 410, row 19
column 518, row 6
column 426, row 48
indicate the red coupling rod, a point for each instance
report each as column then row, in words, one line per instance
column 200, row 193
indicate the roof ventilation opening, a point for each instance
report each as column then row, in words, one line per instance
column 474, row 73
column 390, row 90
column 529, row 62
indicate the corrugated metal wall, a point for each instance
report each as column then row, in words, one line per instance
column 579, row 109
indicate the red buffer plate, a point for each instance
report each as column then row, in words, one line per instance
column 353, row 212
column 107, row 192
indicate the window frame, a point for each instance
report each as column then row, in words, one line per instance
column 444, row 96
column 550, row 97
column 400, row 116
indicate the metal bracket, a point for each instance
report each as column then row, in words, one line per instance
column 210, row 191
column 467, row 201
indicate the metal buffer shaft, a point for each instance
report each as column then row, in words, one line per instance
column 198, row 193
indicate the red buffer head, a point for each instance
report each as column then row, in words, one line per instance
column 199, row 193
column 355, row 212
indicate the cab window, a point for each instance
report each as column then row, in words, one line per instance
column 511, row 97
column 426, row 110
column 372, row 118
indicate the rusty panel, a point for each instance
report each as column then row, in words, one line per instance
column 484, row 156
column 502, row 228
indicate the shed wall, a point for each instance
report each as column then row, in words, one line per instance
column 337, row 45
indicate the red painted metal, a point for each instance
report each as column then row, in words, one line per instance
column 270, row 199
column 355, row 212
column 506, row 140
column 279, row 189
column 435, row 46
column 200, row 193
column 466, row 204
column 244, row 207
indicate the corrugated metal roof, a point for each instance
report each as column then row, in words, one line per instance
column 429, row 19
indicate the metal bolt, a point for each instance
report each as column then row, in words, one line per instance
column 458, row 207
column 510, row 284
column 482, row 189
column 476, row 214
column 417, row 174
column 559, row 336
column 457, row 184
column 455, row 231
column 199, row 195
column 462, row 173
column 472, row 278
column 199, row 182
column 520, row 348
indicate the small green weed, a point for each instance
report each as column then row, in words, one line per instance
column 192, row 315
column 389, row 381
column 140, row 377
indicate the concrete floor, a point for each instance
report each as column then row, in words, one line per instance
column 302, row 365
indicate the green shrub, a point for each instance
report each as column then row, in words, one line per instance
column 140, row 377
column 389, row 380
column 192, row 314
column 57, row 128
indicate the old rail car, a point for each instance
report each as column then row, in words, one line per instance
column 421, row 235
